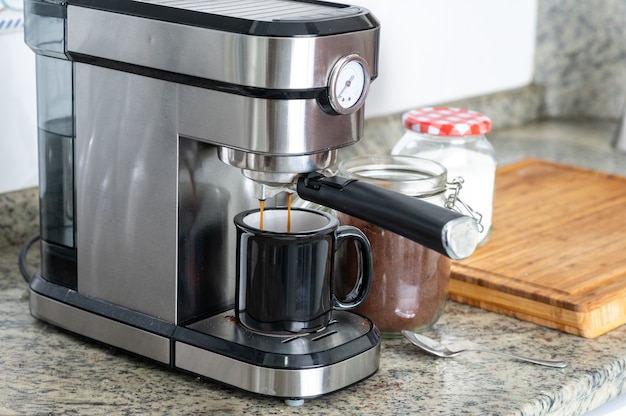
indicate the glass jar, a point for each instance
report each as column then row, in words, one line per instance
column 410, row 282
column 456, row 138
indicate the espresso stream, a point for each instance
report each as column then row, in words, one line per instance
column 262, row 210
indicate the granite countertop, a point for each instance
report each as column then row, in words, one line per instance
column 47, row 370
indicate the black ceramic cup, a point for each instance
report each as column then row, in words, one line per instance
column 285, row 278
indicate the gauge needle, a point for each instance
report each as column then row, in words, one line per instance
column 346, row 85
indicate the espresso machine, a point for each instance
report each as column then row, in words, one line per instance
column 159, row 120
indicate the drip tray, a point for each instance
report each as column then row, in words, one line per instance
column 303, row 366
column 219, row 349
column 343, row 328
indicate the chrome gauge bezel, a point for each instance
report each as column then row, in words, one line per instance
column 335, row 88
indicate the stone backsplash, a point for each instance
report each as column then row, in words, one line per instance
column 581, row 58
column 19, row 216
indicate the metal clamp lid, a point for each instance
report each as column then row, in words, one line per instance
column 451, row 202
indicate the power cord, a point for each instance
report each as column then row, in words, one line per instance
column 22, row 257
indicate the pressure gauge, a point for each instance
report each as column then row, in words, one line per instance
column 348, row 84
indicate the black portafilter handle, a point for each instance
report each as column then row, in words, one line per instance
column 443, row 230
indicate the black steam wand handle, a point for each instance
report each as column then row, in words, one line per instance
column 443, row 230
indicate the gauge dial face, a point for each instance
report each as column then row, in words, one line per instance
column 349, row 85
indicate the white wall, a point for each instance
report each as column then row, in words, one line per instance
column 18, row 122
column 431, row 51
column 434, row 51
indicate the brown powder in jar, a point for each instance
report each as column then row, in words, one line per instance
column 410, row 281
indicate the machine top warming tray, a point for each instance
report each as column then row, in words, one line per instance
column 280, row 18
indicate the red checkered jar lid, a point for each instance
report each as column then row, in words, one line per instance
column 444, row 121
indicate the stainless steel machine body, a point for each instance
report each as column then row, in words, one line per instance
column 142, row 107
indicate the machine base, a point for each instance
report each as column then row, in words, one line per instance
column 219, row 348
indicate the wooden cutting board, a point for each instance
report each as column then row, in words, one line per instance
column 557, row 253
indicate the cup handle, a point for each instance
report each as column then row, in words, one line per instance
column 364, row 279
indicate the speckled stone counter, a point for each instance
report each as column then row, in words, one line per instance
column 44, row 370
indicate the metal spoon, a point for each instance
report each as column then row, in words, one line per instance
column 435, row 348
